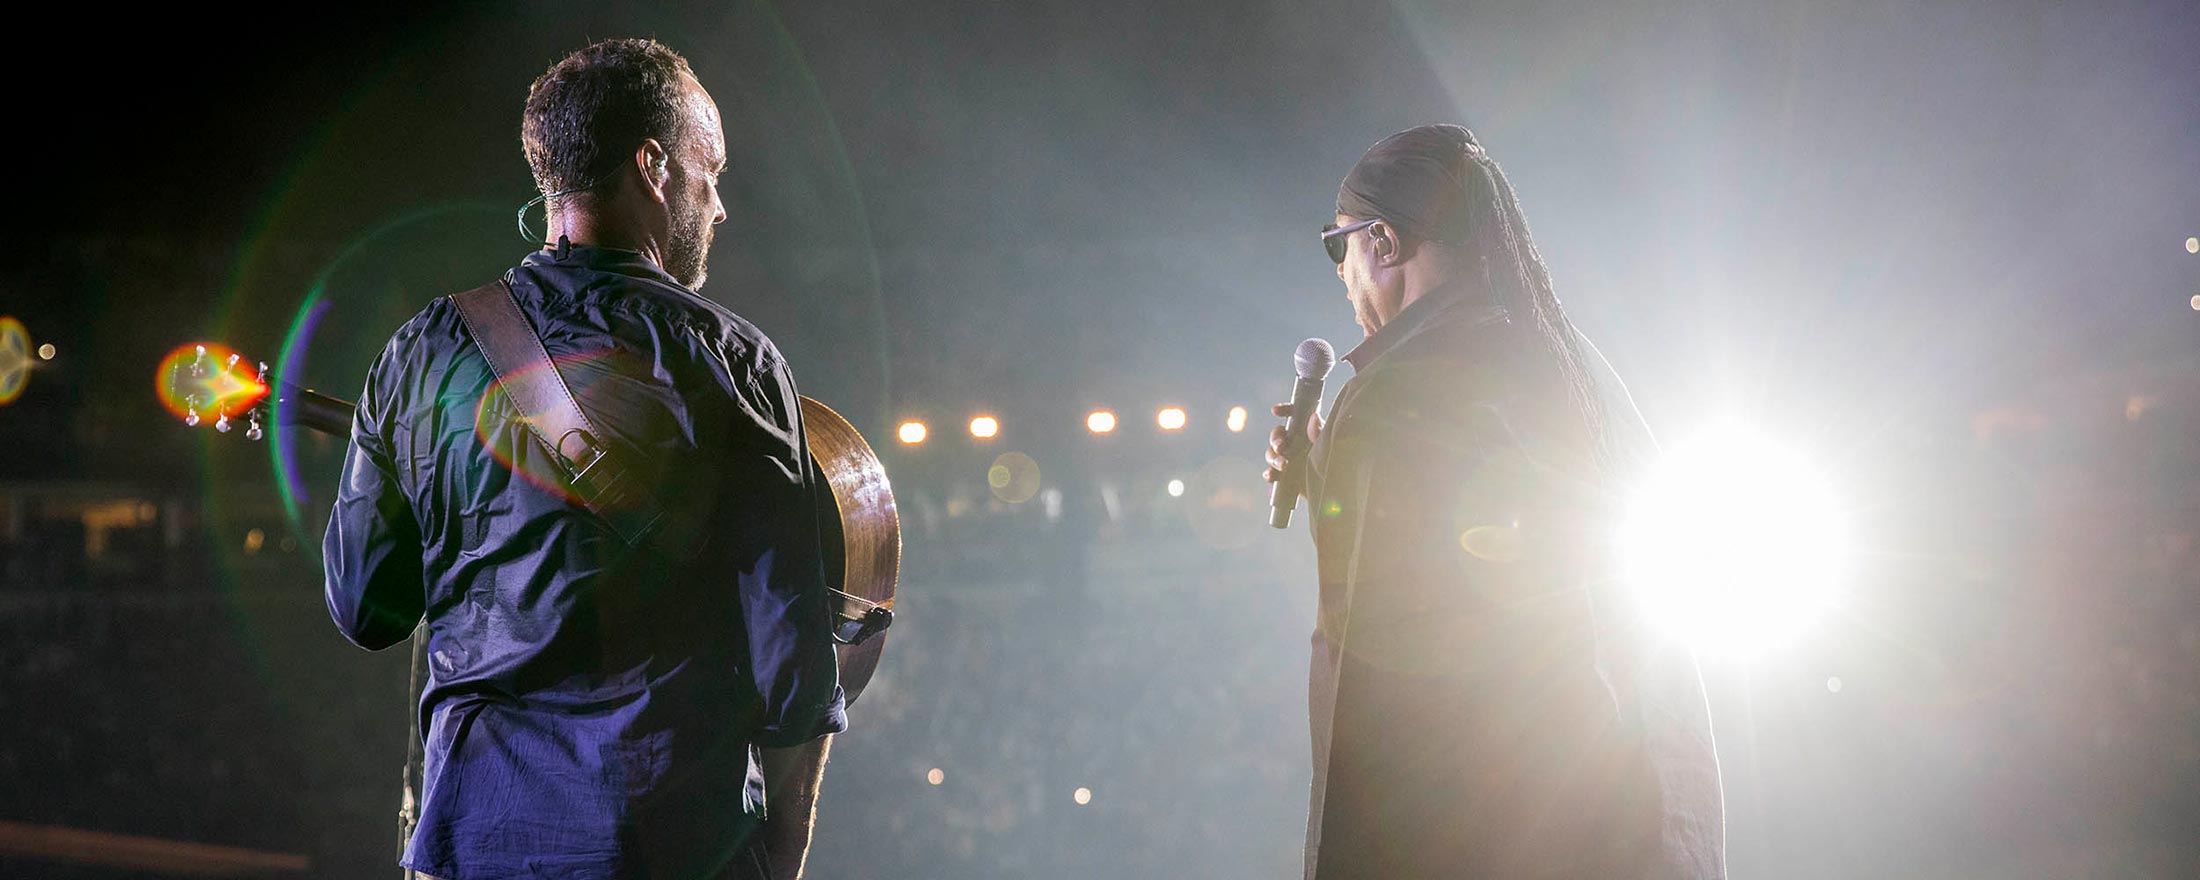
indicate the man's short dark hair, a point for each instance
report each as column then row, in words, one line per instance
column 588, row 112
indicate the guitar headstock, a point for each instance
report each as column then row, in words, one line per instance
column 204, row 379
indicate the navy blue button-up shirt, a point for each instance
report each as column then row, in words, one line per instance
column 592, row 710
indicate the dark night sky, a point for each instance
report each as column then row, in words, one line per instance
column 1018, row 204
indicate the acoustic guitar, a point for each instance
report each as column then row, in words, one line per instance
column 862, row 540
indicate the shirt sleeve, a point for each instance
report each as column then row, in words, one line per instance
column 372, row 550
column 785, row 608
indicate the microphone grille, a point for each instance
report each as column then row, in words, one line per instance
column 1314, row 359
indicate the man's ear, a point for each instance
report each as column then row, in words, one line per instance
column 1385, row 245
column 651, row 160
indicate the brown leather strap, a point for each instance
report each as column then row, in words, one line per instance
column 523, row 367
column 525, row 371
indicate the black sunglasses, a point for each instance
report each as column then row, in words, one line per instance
column 1333, row 237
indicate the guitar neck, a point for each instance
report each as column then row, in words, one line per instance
column 312, row 409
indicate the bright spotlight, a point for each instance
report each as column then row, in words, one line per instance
column 1170, row 419
column 912, row 432
column 46, row 352
column 1100, row 422
column 1082, row 795
column 984, row 427
column 1237, row 419
column 1176, row 488
column 1733, row 544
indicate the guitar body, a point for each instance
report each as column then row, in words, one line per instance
column 862, row 533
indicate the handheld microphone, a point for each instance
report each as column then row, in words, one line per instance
column 1313, row 360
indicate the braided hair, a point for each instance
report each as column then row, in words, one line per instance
column 1438, row 184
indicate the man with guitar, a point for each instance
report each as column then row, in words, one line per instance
column 593, row 486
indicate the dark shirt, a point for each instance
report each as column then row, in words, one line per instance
column 1497, row 712
column 592, row 710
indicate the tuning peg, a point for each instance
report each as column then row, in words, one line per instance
column 221, row 423
column 253, row 432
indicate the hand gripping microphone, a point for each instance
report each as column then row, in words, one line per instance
column 1314, row 360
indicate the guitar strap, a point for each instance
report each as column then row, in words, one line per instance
column 597, row 476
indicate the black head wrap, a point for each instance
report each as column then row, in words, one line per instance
column 1422, row 180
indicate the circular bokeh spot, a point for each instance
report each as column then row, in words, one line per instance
column 1014, row 477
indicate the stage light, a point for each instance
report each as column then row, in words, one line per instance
column 46, row 352
column 1176, row 488
column 1170, row 419
column 1100, row 422
column 1733, row 544
column 935, row 776
column 2192, row 245
column 912, row 433
column 1082, row 795
column 1237, row 419
column 985, row 427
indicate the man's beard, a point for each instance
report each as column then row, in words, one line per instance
column 688, row 245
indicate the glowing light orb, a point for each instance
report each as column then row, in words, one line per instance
column 1176, row 488
column 15, row 359
column 208, row 380
column 1082, row 795
column 935, row 776
column 985, row 427
column 1236, row 421
column 1170, row 419
column 2192, row 245
column 46, row 352
column 911, row 433
column 1733, row 544
column 1100, row 422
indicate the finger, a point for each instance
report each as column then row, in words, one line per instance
column 1269, row 475
column 1282, row 410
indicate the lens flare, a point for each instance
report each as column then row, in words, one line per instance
column 15, row 359
column 1170, row 418
column 911, row 433
column 207, row 380
column 1734, row 544
column 1100, row 421
column 1237, row 419
column 1014, row 477
column 985, row 427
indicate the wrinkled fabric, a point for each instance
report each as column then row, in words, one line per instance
column 592, row 709
column 1498, row 711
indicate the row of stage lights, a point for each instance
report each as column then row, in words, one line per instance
column 1169, row 419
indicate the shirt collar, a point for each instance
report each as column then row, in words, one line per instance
column 601, row 259
column 1438, row 306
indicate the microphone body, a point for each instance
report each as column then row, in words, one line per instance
column 1314, row 360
